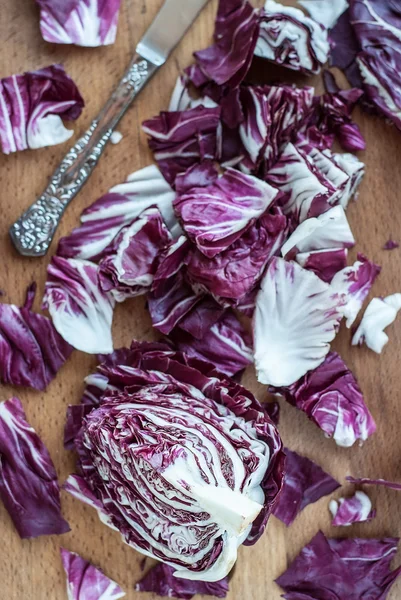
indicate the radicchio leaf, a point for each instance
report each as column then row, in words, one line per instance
column 330, row 230
column 236, row 33
column 391, row 245
column 331, row 397
column 227, row 345
column 32, row 106
column 181, row 139
column 85, row 581
column 367, row 481
column 325, row 12
column 341, row 568
column 81, row 22
column 129, row 271
column 355, row 282
column 161, row 581
column 356, row 509
column 179, row 408
column 234, row 272
column 216, row 216
column 31, row 350
column 28, row 480
column 289, row 38
column 296, row 317
column 380, row 313
column 304, row 483
column 81, row 311
column 103, row 220
column 325, row 263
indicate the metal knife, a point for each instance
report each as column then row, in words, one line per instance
column 33, row 232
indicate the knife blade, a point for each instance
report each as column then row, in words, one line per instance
column 33, row 232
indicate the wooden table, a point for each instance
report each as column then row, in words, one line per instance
column 32, row 570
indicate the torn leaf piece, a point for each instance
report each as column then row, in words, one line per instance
column 31, row 350
column 325, row 263
column 305, row 482
column 367, row 481
column 380, row 313
column 129, row 271
column 160, row 580
column 216, row 216
column 331, row 397
column 81, row 311
column 28, row 480
column 330, row 230
column 289, row 38
column 341, row 568
column 85, row 581
column 33, row 106
column 355, row 282
column 102, row 220
column 81, row 22
column 296, row 317
column 356, row 509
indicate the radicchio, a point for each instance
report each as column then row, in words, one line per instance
column 296, row 317
column 325, row 263
column 28, row 480
column 331, row 397
column 203, row 445
column 104, row 219
column 304, row 483
column 325, row 12
column 80, row 22
column 341, row 568
column 32, row 107
column 81, row 311
column 31, row 350
column 216, row 216
column 291, row 39
column 355, row 282
column 85, row 581
column 161, row 581
column 367, row 481
column 356, row 509
column 380, row 313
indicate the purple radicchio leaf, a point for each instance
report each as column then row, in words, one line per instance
column 304, row 483
column 391, row 245
column 289, row 38
column 336, row 112
column 355, row 282
column 85, row 581
column 202, row 317
column 329, row 230
column 379, row 314
column 234, row 272
column 306, row 191
column 199, row 175
column 216, row 216
column 81, row 311
column 325, row 263
column 129, row 271
column 271, row 114
column 81, row 22
column 104, row 219
column 344, row 50
column 367, row 481
column 173, row 406
column 355, row 509
column 236, row 33
column 28, row 480
column 181, row 139
column 227, row 345
column 31, row 350
column 161, row 581
column 331, row 397
column 296, row 317
column 377, row 26
column 351, row 568
column 32, row 107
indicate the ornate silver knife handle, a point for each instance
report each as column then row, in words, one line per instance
column 33, row 232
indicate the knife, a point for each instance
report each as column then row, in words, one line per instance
column 33, row 232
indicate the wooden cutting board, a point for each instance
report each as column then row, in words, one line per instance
column 31, row 570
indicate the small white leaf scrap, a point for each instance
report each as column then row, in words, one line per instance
column 380, row 313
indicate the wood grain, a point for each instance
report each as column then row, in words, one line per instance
column 32, row 569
